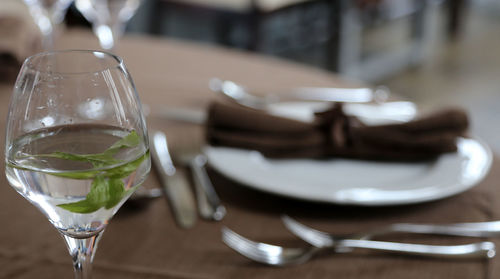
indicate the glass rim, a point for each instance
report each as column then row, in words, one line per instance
column 116, row 58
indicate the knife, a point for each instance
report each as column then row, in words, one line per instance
column 174, row 182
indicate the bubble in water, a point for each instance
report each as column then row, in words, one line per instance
column 47, row 121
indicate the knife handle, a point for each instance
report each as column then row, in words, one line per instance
column 209, row 204
column 174, row 182
column 180, row 198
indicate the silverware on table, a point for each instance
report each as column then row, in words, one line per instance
column 209, row 204
column 189, row 153
column 322, row 239
column 372, row 109
column 282, row 256
column 174, row 182
column 241, row 95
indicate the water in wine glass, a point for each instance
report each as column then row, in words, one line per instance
column 78, row 175
column 108, row 17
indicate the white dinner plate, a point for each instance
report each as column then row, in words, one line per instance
column 357, row 182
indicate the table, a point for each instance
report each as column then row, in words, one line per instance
column 142, row 240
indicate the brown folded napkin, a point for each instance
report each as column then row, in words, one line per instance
column 334, row 134
column 20, row 38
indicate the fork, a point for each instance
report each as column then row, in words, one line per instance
column 320, row 239
column 283, row 256
column 238, row 93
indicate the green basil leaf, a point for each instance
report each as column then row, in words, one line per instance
column 107, row 188
column 125, row 170
column 105, row 192
column 83, row 206
column 130, row 140
column 99, row 191
column 115, row 192
column 97, row 160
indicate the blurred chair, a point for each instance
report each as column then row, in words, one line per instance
column 340, row 35
column 303, row 30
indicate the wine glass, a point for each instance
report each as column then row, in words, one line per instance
column 108, row 18
column 76, row 143
column 48, row 14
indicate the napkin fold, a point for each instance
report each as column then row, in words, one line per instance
column 334, row 134
column 20, row 38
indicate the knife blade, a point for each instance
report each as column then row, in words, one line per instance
column 174, row 182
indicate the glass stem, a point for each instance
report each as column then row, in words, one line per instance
column 108, row 34
column 82, row 252
column 105, row 35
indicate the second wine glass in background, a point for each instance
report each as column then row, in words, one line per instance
column 108, row 18
column 48, row 14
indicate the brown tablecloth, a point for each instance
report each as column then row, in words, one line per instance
column 142, row 240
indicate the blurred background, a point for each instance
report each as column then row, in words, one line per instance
column 434, row 52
